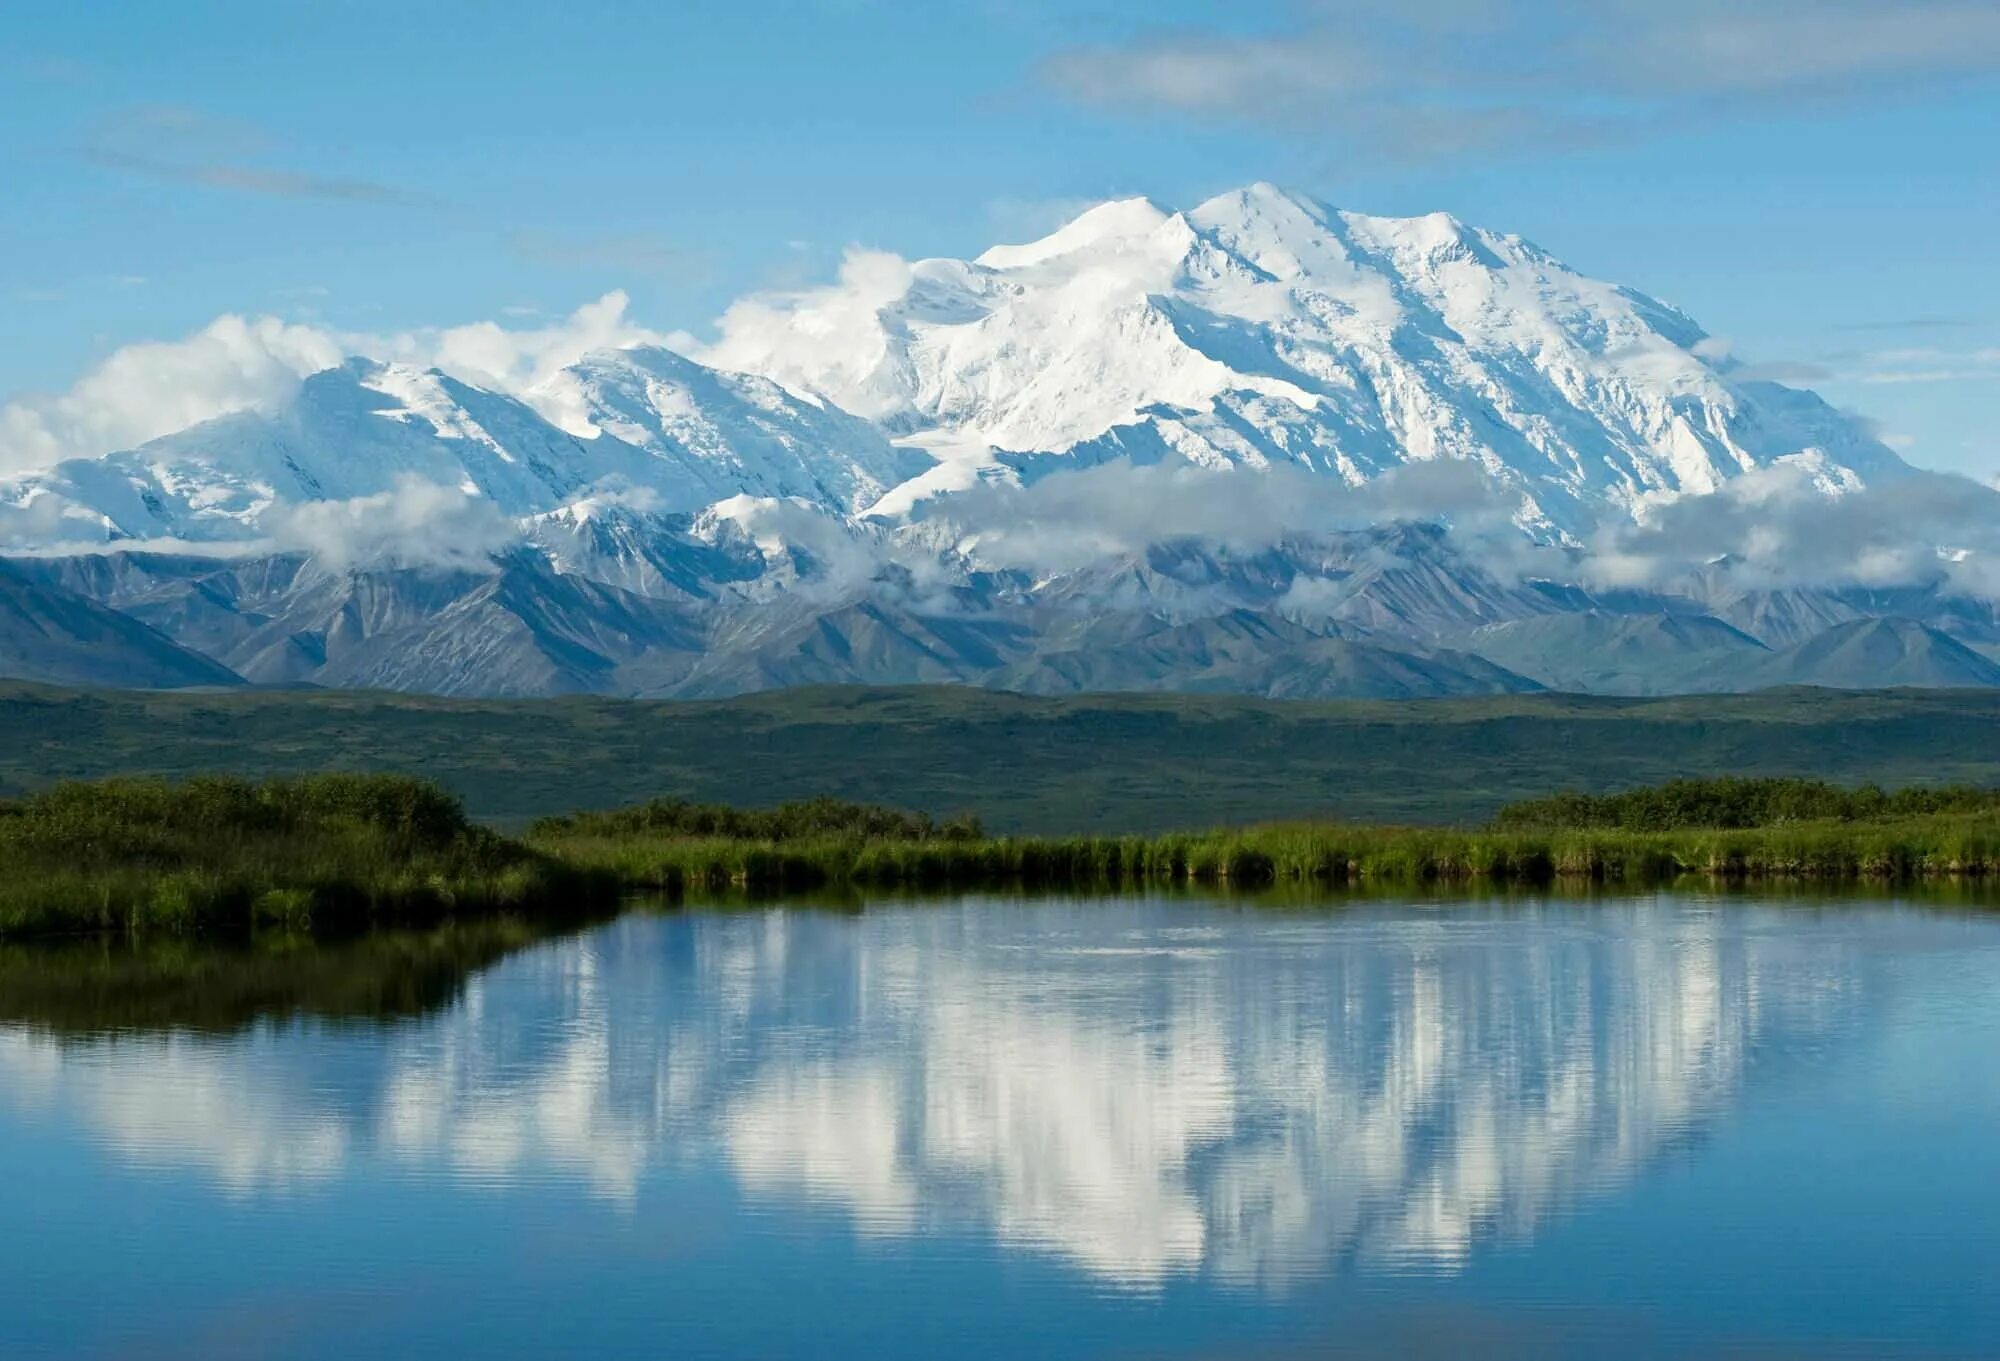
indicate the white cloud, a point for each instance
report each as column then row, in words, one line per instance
column 415, row 523
column 1786, row 525
column 1777, row 527
column 526, row 361
column 1070, row 520
column 151, row 389
column 514, row 359
column 827, row 341
column 235, row 363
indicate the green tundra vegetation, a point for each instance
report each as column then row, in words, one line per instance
column 1098, row 764
column 345, row 852
column 1729, row 802
column 215, row 854
column 1921, row 846
column 795, row 821
column 1725, row 827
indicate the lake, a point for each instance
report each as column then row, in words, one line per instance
column 1672, row 1125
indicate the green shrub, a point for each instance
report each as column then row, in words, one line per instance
column 1729, row 802
column 796, row 821
column 224, row 854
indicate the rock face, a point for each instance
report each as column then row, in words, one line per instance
column 860, row 483
column 1624, row 654
column 49, row 634
column 1875, row 653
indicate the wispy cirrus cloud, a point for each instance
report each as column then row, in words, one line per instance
column 49, row 69
column 181, row 145
column 245, row 179
column 1883, row 367
column 1472, row 75
column 1922, row 364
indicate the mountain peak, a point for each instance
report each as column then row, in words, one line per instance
column 1261, row 329
column 1262, row 198
column 1110, row 226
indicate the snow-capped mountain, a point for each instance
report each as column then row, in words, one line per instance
column 1264, row 328
column 644, row 423
column 1259, row 329
column 859, row 483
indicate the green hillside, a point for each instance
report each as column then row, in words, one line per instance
column 1098, row 763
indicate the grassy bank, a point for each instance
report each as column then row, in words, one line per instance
column 1523, row 848
column 329, row 852
column 347, row 852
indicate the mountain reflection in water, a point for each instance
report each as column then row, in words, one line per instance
column 1141, row 1090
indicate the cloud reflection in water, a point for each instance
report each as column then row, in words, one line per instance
column 1138, row 1089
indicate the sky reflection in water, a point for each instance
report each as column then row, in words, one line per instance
column 1136, row 1128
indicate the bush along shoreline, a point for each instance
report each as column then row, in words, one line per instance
column 334, row 853
column 1720, row 829
column 327, row 853
column 1260, row 856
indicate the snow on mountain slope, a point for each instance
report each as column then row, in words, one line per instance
column 656, row 427
column 738, row 433
column 1258, row 329
column 854, row 484
column 1263, row 327
column 608, row 541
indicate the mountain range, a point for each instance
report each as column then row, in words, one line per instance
column 1258, row 446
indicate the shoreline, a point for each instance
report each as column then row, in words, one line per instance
column 1966, row 848
column 350, row 853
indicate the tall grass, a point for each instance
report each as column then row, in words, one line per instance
column 343, row 852
column 217, row 854
column 1732, row 802
column 797, row 820
column 1908, row 848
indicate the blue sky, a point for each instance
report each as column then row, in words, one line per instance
column 1815, row 180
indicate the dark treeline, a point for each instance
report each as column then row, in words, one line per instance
column 801, row 820
column 1728, row 803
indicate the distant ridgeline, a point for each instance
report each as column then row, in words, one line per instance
column 1267, row 412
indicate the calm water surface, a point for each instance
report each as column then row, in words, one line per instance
column 987, row 1127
